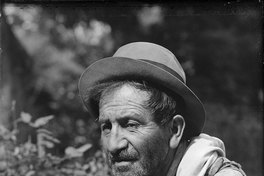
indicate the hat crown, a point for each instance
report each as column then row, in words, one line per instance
column 151, row 52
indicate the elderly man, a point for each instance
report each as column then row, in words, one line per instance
column 151, row 122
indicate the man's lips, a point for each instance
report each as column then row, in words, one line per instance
column 122, row 163
column 119, row 160
column 122, row 157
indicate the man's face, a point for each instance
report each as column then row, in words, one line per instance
column 134, row 144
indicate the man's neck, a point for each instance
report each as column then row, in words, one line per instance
column 177, row 155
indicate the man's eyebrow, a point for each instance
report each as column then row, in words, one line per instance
column 134, row 116
column 102, row 120
column 128, row 117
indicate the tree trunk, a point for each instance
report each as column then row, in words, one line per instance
column 15, row 75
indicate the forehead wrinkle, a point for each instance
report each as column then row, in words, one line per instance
column 125, row 94
column 125, row 101
column 122, row 109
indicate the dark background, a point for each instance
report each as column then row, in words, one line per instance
column 45, row 48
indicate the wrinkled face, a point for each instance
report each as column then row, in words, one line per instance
column 134, row 144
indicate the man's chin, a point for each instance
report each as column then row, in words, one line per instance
column 127, row 169
column 122, row 166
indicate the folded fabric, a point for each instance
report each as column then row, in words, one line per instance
column 201, row 153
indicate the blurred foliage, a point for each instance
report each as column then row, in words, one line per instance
column 32, row 159
column 219, row 50
column 242, row 134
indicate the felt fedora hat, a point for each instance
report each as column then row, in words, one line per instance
column 144, row 61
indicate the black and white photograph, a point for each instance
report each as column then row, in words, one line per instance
column 112, row 88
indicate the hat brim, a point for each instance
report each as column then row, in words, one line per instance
column 116, row 68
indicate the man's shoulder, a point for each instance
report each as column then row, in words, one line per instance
column 224, row 167
column 229, row 172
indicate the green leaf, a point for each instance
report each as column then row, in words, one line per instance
column 25, row 117
column 72, row 152
column 84, row 148
column 42, row 121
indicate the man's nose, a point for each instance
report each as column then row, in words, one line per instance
column 116, row 141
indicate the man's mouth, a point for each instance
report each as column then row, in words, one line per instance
column 119, row 162
column 122, row 159
column 122, row 163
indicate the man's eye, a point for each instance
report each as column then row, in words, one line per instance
column 106, row 127
column 132, row 124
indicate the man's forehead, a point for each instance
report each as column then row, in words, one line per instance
column 124, row 102
column 123, row 114
column 123, row 92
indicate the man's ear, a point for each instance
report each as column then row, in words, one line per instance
column 177, row 128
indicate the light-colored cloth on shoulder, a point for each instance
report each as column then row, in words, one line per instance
column 201, row 153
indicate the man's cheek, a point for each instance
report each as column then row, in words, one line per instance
column 106, row 154
column 108, row 160
column 104, row 143
column 155, row 148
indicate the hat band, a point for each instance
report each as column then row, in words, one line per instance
column 165, row 68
